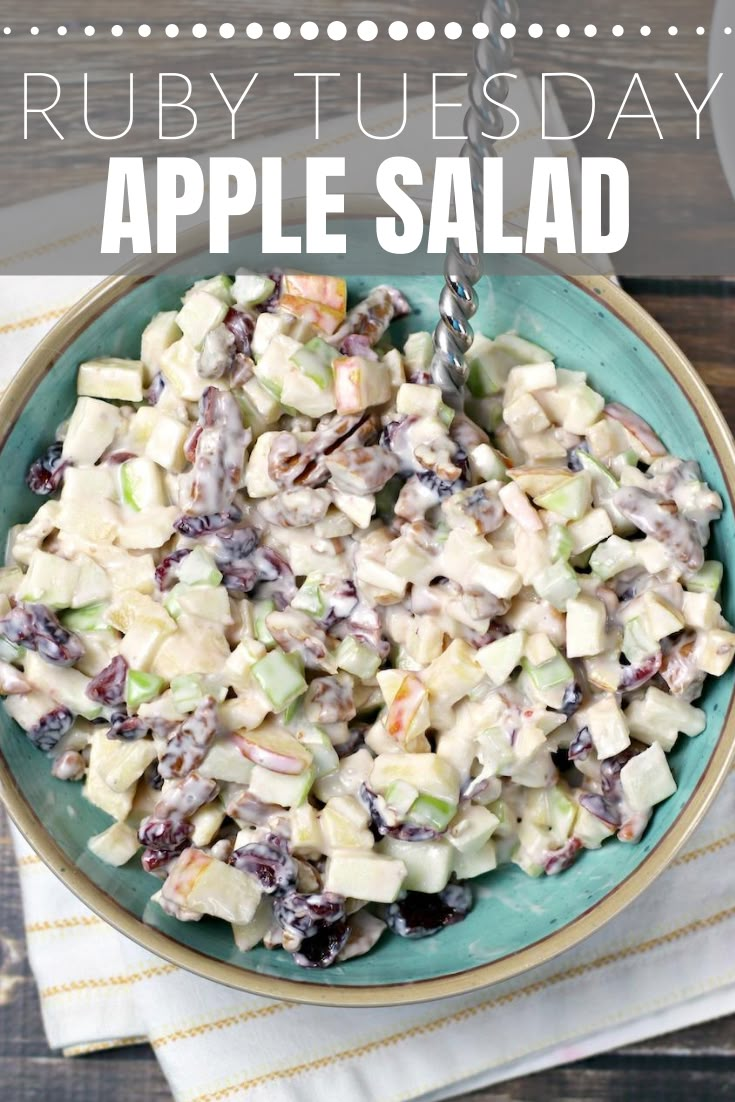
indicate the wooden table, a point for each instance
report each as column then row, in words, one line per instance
column 695, row 1065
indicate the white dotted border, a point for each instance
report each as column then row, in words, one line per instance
column 367, row 30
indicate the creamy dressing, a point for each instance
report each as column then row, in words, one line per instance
column 318, row 663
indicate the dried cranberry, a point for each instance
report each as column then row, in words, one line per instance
column 420, row 377
column 194, row 527
column 390, row 434
column 108, row 687
column 419, row 914
column 560, row 859
column 47, row 731
column 241, row 581
column 233, row 546
column 129, row 728
column 355, row 739
column 441, row 487
column 406, row 832
column 271, row 304
column 494, row 632
column 168, row 835
column 156, row 389
column 364, row 625
column 187, row 746
column 241, row 326
column 166, row 570
column 305, row 915
column 378, row 825
column 341, row 597
column 154, row 859
column 601, row 808
column 233, row 556
column 46, row 473
column 271, row 566
column 633, row 676
column 610, row 769
column 574, row 463
column 581, row 745
column 321, row 949
column 571, row 700
column 357, row 344
column 275, row 577
column 410, row 832
column 269, row 863
column 245, row 566
column 36, row 628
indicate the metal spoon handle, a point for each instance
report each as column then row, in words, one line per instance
column 458, row 300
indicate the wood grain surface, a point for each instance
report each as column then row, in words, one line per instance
column 694, row 1065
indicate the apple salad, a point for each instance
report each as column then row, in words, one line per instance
column 325, row 649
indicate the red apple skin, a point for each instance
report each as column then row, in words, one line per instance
column 329, row 290
column 270, row 757
column 637, row 427
column 347, row 389
column 323, row 317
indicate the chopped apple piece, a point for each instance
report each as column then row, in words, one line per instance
column 586, row 617
column 116, row 845
column 471, row 828
column 428, row 864
column 571, row 499
column 660, row 717
column 284, row 789
column 203, row 884
column 455, row 673
column 275, row 749
column 524, row 416
column 247, row 935
column 373, row 877
column 647, row 779
column 409, row 714
column 714, row 651
column 607, row 727
column 642, row 436
column 318, row 314
column 113, row 378
column 344, row 824
column 360, row 383
column 517, row 505
column 700, row 610
column 329, row 290
column 427, row 773
column 535, row 481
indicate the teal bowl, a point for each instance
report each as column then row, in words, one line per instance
column 518, row 922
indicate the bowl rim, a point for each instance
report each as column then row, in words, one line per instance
column 622, row 306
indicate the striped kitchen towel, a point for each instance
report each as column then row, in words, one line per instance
column 663, row 964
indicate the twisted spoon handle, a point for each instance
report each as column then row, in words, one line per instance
column 458, row 300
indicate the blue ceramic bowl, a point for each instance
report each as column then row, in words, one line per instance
column 518, row 922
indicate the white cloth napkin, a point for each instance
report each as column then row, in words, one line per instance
column 663, row 964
